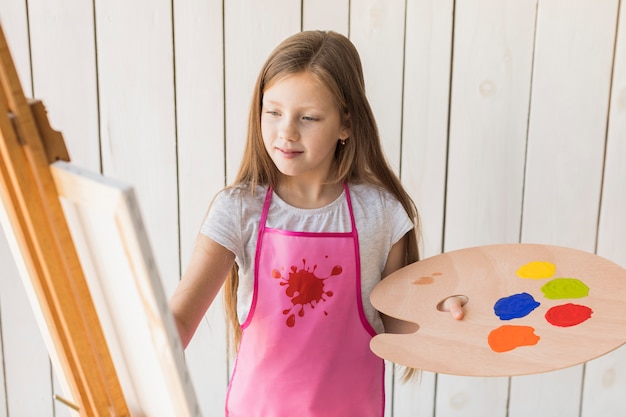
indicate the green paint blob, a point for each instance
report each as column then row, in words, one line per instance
column 560, row 288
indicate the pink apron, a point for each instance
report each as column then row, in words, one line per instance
column 305, row 351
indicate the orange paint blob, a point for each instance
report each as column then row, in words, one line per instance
column 509, row 337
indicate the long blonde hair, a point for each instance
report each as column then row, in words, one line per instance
column 334, row 61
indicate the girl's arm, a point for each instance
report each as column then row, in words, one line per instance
column 395, row 261
column 208, row 268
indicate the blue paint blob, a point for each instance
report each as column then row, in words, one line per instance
column 515, row 306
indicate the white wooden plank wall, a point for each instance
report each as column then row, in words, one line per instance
column 505, row 118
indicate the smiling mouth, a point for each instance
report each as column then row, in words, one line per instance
column 289, row 152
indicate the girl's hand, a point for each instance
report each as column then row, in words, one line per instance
column 454, row 305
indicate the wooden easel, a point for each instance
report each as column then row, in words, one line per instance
column 27, row 147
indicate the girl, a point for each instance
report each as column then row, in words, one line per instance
column 314, row 219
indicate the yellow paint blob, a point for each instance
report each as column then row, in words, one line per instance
column 537, row 270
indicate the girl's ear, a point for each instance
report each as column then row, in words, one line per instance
column 346, row 128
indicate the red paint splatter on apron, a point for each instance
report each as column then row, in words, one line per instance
column 304, row 288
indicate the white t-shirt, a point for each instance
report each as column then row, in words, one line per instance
column 233, row 222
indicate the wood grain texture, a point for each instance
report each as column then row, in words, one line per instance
column 200, row 121
column 605, row 375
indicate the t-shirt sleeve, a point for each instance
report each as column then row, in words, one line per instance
column 223, row 221
column 399, row 220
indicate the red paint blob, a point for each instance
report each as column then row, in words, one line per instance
column 567, row 315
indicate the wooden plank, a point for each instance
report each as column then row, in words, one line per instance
column 605, row 378
column 567, row 126
column 326, row 15
column 553, row 392
column 64, row 72
column 14, row 20
column 121, row 272
column 425, row 113
column 377, row 31
column 252, row 31
column 568, row 121
column 427, row 58
column 468, row 396
column 199, row 47
column 611, row 236
column 489, row 103
column 137, row 115
column 200, row 111
column 414, row 398
column 604, row 384
column 489, row 112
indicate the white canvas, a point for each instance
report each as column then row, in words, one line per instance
column 109, row 236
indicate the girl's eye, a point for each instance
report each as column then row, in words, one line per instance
column 272, row 112
column 309, row 118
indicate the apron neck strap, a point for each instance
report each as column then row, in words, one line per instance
column 268, row 201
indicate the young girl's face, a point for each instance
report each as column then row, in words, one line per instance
column 301, row 125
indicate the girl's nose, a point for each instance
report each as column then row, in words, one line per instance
column 288, row 130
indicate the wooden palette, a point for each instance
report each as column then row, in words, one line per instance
column 531, row 308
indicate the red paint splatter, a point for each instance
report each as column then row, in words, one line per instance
column 508, row 337
column 567, row 315
column 304, row 288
